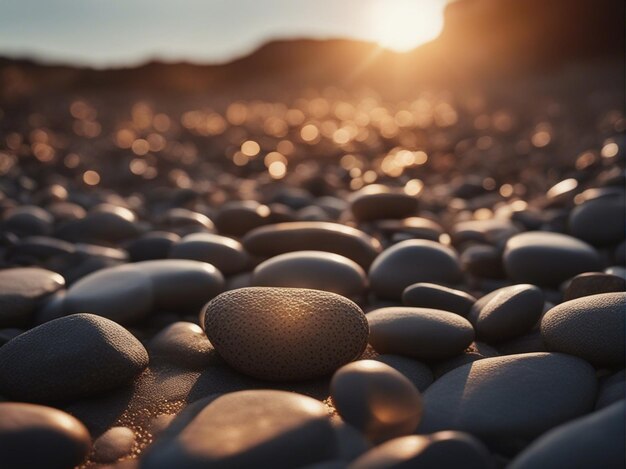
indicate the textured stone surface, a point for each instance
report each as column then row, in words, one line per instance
column 591, row 327
column 70, row 357
column 285, row 333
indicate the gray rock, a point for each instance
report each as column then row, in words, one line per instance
column 226, row 254
column 591, row 327
column 593, row 283
column 595, row 440
column 68, row 358
column 547, row 259
column 512, row 398
column 430, row 295
column 506, row 313
column 410, row 262
column 600, row 221
column 421, row 333
column 314, row 236
column 317, row 270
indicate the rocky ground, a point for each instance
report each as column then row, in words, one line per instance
column 326, row 279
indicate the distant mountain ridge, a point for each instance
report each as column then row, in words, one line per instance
column 480, row 38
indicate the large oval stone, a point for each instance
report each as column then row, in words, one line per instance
column 516, row 397
column 285, row 333
column 70, row 357
column 248, row 429
column 591, row 327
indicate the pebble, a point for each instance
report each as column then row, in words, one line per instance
column 285, row 333
column 22, row 290
column 416, row 372
column 376, row 201
column 591, row 327
column 182, row 285
column 226, row 254
column 236, row 218
column 27, row 220
column 595, row 440
column 548, row 259
column 430, row 295
column 124, row 294
column 600, row 221
column 506, row 313
column 316, row 270
column 437, row 451
column 182, row 221
column 376, row 399
column 102, row 224
column 152, row 245
column 410, row 262
column 313, row 236
column 68, row 358
column 484, row 261
column 416, row 227
column 421, row 333
column 261, row 428
column 183, row 344
column 492, row 231
column 512, row 398
column 35, row 436
column 114, row 444
column 593, row 283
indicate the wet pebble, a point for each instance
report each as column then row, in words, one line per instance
column 430, row 295
column 376, row 399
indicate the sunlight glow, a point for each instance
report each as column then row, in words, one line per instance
column 402, row 25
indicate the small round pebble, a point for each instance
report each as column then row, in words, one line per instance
column 430, row 295
column 421, row 333
column 591, row 327
column 237, row 218
column 183, row 344
column 285, row 333
column 70, row 357
column 376, row 201
column 506, row 313
column 317, row 270
column 410, row 262
column 548, row 259
column 261, row 428
column 376, row 399
column 600, row 221
column 517, row 397
column 226, row 254
column 35, row 436
column 115, row 443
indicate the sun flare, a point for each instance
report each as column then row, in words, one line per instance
column 402, row 25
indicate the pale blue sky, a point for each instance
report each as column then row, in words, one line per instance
column 126, row 32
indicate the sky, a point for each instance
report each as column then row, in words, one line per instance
column 104, row 33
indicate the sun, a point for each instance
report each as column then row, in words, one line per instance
column 402, row 25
